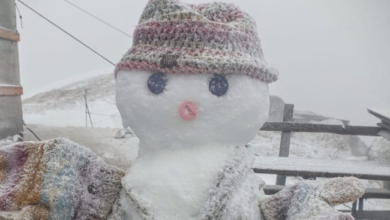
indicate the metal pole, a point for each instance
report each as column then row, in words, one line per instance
column 86, row 103
column 11, row 118
column 86, row 117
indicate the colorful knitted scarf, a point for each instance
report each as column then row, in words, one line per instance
column 56, row 179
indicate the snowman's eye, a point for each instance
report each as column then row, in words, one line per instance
column 157, row 83
column 218, row 85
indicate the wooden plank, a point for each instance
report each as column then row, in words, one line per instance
column 284, row 149
column 9, row 35
column 380, row 215
column 11, row 90
column 322, row 168
column 370, row 193
column 381, row 113
column 384, row 125
column 385, row 134
column 321, row 128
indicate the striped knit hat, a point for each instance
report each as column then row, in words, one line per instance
column 175, row 37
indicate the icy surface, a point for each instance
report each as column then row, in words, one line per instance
column 156, row 121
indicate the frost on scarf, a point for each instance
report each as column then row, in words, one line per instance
column 232, row 195
column 56, row 179
column 313, row 200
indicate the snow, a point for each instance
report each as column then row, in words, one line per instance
column 64, row 106
column 175, row 182
column 323, row 166
column 186, row 169
column 117, row 152
column 156, row 121
column 82, row 77
column 380, row 150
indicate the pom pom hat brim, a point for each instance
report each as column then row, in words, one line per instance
column 179, row 38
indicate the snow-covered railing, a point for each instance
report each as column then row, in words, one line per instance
column 384, row 116
column 284, row 166
column 292, row 166
column 321, row 128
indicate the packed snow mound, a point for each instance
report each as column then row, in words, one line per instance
column 229, row 119
column 380, row 150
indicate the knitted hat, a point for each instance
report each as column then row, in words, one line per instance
column 175, row 37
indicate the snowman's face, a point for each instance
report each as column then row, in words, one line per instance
column 169, row 111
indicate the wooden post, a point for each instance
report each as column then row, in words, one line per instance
column 284, row 149
column 11, row 116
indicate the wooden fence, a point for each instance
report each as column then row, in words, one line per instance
column 381, row 172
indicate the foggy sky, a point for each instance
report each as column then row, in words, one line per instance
column 333, row 56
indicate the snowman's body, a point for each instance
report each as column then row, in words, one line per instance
column 194, row 89
column 192, row 169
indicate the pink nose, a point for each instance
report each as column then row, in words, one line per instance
column 188, row 111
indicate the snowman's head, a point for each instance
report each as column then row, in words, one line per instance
column 195, row 75
column 187, row 110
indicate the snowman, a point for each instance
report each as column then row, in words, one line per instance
column 194, row 89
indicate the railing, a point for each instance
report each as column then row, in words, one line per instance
column 288, row 126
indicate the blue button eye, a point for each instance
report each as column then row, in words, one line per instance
column 157, row 83
column 218, row 85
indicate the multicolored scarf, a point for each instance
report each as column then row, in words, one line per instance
column 56, row 179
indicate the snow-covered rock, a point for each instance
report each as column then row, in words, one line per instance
column 380, row 150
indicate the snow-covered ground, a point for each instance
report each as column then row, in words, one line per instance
column 64, row 105
column 59, row 111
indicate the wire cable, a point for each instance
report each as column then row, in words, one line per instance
column 67, row 33
column 105, row 115
column 97, row 18
column 20, row 15
column 31, row 131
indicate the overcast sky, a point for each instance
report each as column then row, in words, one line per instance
column 333, row 56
